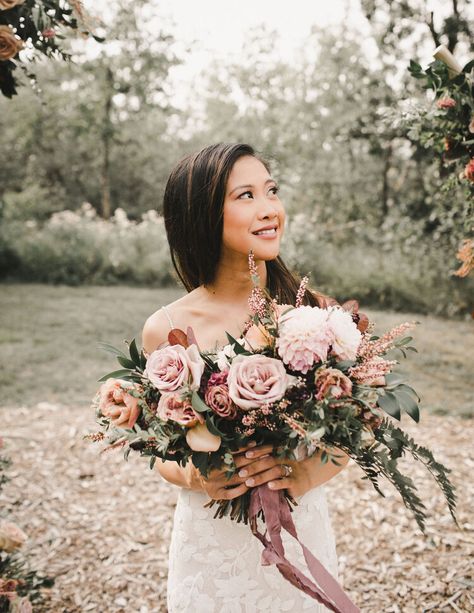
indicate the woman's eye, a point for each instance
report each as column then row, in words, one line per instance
column 244, row 194
column 275, row 189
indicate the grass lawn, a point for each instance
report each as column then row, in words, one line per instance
column 49, row 334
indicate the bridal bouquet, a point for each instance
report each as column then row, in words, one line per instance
column 302, row 378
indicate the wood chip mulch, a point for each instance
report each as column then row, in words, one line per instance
column 101, row 526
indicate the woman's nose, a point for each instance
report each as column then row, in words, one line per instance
column 267, row 209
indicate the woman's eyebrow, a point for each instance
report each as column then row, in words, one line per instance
column 241, row 186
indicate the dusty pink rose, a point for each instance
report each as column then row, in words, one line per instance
column 255, row 380
column 11, row 537
column 116, row 402
column 346, row 337
column 469, row 170
column 332, row 382
column 173, row 366
column 172, row 406
column 304, row 337
column 446, row 103
column 217, row 396
column 200, row 439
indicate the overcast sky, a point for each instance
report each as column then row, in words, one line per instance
column 218, row 28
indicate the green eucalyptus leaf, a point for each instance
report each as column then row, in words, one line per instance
column 126, row 363
column 389, row 403
column 116, row 374
column 198, row 403
column 409, row 404
column 134, row 352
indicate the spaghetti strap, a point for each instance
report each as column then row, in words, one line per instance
column 168, row 316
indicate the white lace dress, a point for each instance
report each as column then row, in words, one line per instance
column 215, row 564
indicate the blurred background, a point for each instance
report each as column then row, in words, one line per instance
column 376, row 212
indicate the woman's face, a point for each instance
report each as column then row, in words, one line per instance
column 254, row 216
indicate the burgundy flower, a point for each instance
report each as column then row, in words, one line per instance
column 217, row 396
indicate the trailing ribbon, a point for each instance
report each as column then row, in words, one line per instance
column 277, row 515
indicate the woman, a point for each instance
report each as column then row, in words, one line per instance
column 219, row 204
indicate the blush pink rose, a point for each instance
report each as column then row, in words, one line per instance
column 116, row 402
column 332, row 382
column 172, row 406
column 217, row 396
column 11, row 537
column 256, row 380
column 173, row 366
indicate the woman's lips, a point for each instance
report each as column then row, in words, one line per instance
column 267, row 234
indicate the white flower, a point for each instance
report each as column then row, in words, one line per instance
column 226, row 354
column 347, row 336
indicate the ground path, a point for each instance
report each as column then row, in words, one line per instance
column 101, row 526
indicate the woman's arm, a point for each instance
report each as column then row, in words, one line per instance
column 185, row 476
column 155, row 332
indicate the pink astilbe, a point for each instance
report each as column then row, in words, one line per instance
column 294, row 425
column 257, row 301
column 301, row 292
column 371, row 369
column 369, row 349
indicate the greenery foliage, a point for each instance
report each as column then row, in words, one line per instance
column 36, row 26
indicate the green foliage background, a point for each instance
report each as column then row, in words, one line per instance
column 370, row 212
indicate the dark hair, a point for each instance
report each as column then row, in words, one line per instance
column 193, row 208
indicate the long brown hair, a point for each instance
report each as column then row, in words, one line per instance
column 193, row 208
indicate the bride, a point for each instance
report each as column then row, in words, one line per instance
column 219, row 204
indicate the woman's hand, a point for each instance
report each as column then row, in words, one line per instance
column 309, row 473
column 253, row 463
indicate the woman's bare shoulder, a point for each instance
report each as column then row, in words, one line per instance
column 157, row 325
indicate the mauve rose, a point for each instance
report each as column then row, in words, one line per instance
column 256, row 380
column 332, row 382
column 172, row 406
column 200, row 439
column 217, row 396
column 11, row 537
column 173, row 366
column 116, row 403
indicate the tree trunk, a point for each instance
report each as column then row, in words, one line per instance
column 385, row 185
column 106, row 207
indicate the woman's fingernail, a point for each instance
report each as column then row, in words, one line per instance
column 271, row 484
column 250, row 482
column 249, row 454
column 252, row 443
column 243, row 473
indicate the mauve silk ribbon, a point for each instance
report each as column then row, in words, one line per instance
column 277, row 516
